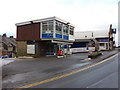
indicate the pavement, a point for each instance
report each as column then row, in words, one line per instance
column 5, row 61
column 30, row 70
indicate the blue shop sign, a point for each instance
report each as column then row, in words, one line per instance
column 65, row 37
column 65, row 46
column 58, row 36
column 47, row 35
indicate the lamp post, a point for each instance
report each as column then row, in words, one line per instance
column 110, row 36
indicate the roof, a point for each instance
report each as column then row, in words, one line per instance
column 41, row 20
column 9, row 41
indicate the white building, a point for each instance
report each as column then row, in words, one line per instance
column 85, row 38
column 84, row 35
column 83, row 42
column 102, row 36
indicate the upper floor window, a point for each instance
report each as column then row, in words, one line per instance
column 65, row 29
column 44, row 27
column 47, row 27
column 71, row 30
column 58, row 27
column 50, row 26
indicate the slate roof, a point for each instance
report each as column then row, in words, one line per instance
column 9, row 41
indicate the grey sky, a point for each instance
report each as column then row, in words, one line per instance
column 84, row 14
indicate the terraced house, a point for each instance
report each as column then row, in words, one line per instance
column 8, row 45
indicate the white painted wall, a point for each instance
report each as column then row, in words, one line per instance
column 82, row 34
column 71, row 37
column 96, row 34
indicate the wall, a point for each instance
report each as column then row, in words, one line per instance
column 21, row 48
column 28, row 32
column 83, row 35
column 100, row 33
column 91, row 34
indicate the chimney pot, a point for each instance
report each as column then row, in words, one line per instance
column 4, row 35
column 11, row 36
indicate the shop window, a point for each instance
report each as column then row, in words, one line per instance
column 78, row 44
column 101, row 44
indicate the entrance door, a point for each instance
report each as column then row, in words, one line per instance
column 51, row 49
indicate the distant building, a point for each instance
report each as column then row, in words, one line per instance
column 7, row 44
column 93, row 40
column 44, row 37
column 102, row 37
column 84, row 41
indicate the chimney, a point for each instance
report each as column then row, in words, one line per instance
column 11, row 36
column 4, row 35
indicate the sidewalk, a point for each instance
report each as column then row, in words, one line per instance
column 30, row 70
column 5, row 61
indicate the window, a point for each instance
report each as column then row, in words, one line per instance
column 47, row 27
column 65, row 29
column 58, row 27
column 44, row 27
column 50, row 26
column 71, row 30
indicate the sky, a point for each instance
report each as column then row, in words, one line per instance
column 86, row 15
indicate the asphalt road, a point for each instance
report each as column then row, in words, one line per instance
column 29, row 71
column 104, row 75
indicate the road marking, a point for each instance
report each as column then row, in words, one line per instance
column 68, row 74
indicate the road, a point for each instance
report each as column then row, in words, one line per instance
column 101, row 75
column 23, row 72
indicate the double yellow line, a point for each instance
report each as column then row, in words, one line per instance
column 65, row 75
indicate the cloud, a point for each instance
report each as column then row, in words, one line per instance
column 84, row 14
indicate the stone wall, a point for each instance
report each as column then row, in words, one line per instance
column 21, row 48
